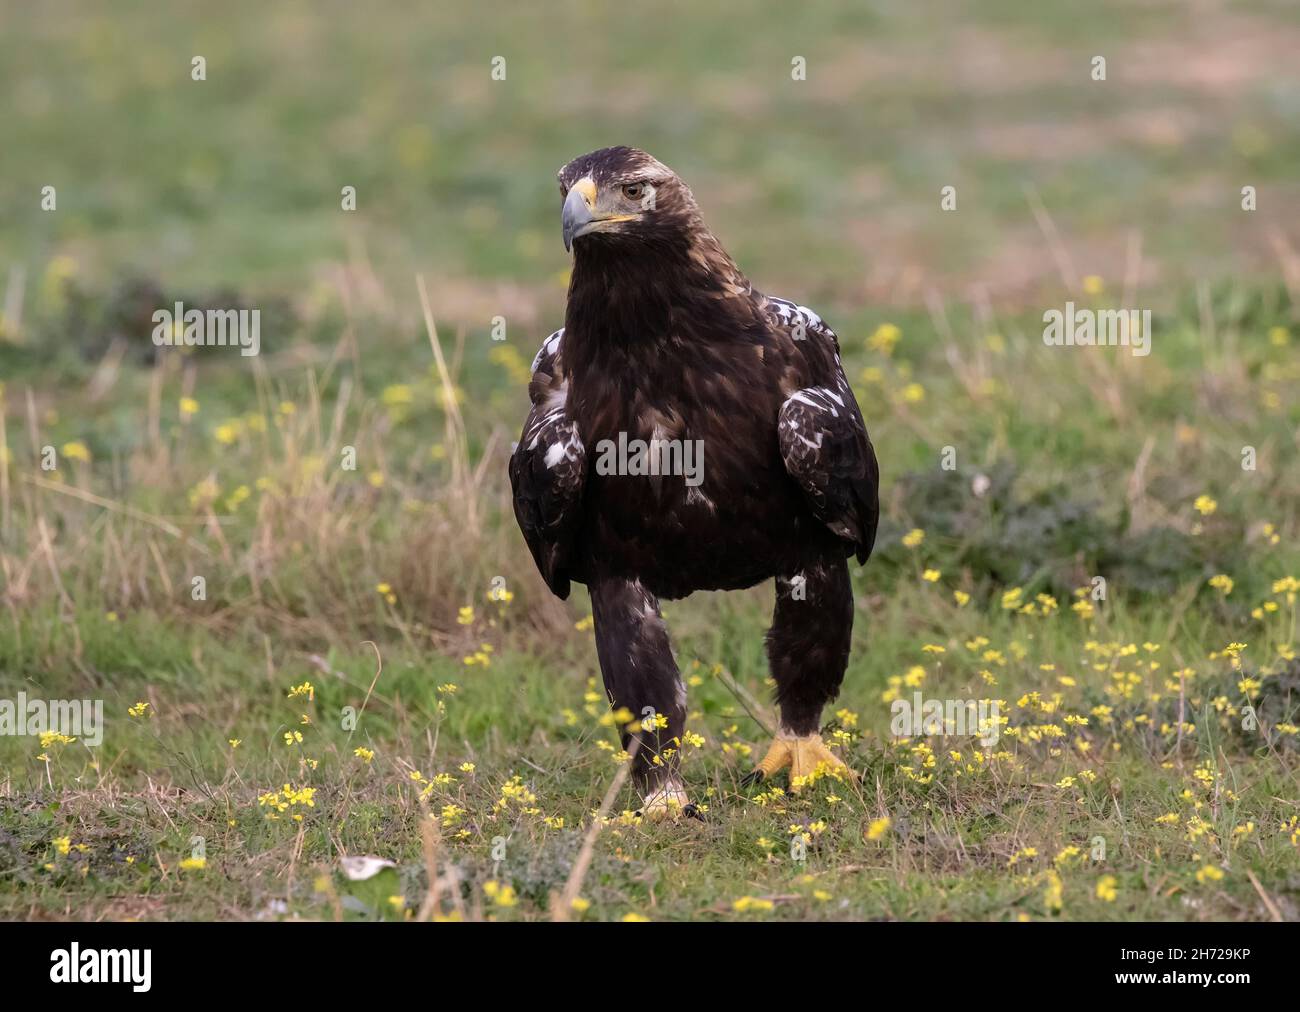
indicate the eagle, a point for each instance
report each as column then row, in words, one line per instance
column 688, row 432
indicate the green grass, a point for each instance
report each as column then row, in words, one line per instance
column 826, row 191
column 165, row 779
column 817, row 185
column 291, row 597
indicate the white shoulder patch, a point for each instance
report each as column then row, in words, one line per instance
column 549, row 347
column 790, row 314
column 817, row 398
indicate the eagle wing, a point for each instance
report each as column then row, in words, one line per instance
column 822, row 436
column 548, row 471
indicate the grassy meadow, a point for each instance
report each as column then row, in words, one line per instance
column 369, row 664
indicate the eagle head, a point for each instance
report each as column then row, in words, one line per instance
column 623, row 195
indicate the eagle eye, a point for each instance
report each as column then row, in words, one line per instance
column 633, row 191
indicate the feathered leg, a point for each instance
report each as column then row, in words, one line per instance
column 808, row 650
column 641, row 676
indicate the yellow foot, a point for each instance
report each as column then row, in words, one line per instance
column 668, row 801
column 808, row 758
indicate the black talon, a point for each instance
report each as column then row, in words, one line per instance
column 754, row 776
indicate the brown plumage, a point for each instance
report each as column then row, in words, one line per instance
column 666, row 340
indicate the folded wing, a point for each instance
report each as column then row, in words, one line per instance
column 822, row 436
column 548, row 470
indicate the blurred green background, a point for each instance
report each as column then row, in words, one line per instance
column 826, row 188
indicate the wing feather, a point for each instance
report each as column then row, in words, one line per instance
column 548, row 472
column 822, row 436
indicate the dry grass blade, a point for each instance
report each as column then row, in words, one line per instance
column 562, row 905
column 458, row 445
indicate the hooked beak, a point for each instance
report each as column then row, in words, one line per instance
column 577, row 217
